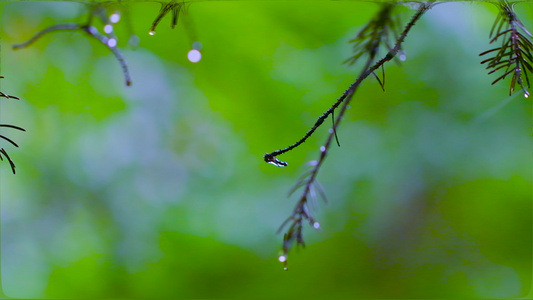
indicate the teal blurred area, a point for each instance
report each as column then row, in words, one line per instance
column 159, row 189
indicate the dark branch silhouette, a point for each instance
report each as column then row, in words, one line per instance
column 515, row 55
column 302, row 211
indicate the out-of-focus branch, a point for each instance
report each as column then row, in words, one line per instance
column 109, row 42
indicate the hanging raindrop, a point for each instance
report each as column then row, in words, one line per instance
column 152, row 32
column 115, row 17
column 526, row 94
column 283, row 259
column 402, row 56
column 112, row 42
column 316, row 225
column 108, row 28
column 194, row 56
column 197, row 45
column 271, row 159
column 134, row 40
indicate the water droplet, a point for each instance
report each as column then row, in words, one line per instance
column 112, row 42
column 402, row 56
column 313, row 163
column 322, row 148
column 285, row 268
column 194, row 56
column 526, row 94
column 316, row 225
column 197, row 45
column 115, row 17
column 108, row 29
column 276, row 162
column 152, row 32
column 134, row 40
column 282, row 258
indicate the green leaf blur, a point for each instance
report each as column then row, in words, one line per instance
column 159, row 189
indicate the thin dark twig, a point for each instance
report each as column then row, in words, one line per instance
column 4, row 95
column 379, row 81
column 301, row 211
column 12, row 126
column 165, row 9
column 333, row 128
column 11, row 163
column 8, row 139
column 175, row 14
column 9, row 96
column 383, row 75
column 41, row 33
column 3, row 152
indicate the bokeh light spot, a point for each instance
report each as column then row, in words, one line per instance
column 108, row 29
column 194, row 56
column 112, row 43
column 114, row 18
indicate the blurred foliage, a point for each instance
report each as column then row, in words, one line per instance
column 159, row 189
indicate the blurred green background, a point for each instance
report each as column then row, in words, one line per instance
column 159, row 189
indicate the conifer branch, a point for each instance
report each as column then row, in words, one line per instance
column 515, row 55
column 302, row 212
column 271, row 157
